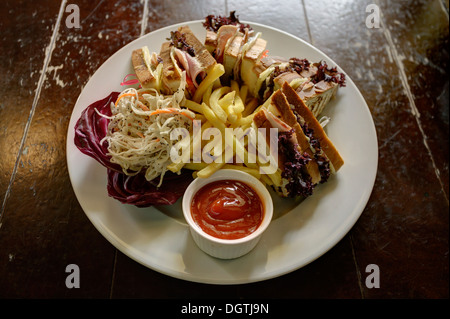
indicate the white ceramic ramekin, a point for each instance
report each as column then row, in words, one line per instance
column 227, row 248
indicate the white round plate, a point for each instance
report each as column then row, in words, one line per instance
column 299, row 233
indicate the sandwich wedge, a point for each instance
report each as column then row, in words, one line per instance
column 315, row 83
column 147, row 67
column 306, row 156
column 243, row 53
column 291, row 178
column 184, row 53
column 250, row 55
column 214, row 23
column 323, row 148
column 171, row 73
column 239, row 48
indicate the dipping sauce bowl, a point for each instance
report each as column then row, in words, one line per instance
column 227, row 213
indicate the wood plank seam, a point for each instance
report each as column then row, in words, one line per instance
column 48, row 53
column 144, row 18
column 357, row 270
column 307, row 23
column 414, row 111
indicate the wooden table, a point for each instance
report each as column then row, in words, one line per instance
column 400, row 67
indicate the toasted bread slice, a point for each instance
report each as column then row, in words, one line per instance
column 231, row 55
column 147, row 68
column 201, row 54
column 171, row 73
column 281, row 108
column 211, row 41
column 249, row 72
column 304, row 114
column 143, row 73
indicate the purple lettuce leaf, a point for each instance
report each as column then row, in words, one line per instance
column 90, row 129
column 136, row 190
column 299, row 181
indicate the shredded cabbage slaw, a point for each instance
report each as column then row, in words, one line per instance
column 140, row 126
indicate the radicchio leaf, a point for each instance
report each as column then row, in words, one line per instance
column 136, row 190
column 298, row 65
column 322, row 162
column 300, row 183
column 179, row 41
column 91, row 128
column 214, row 22
column 328, row 74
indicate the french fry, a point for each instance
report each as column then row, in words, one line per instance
column 217, row 71
column 206, row 96
column 212, row 117
column 237, row 148
column 206, row 170
column 244, row 93
column 175, row 167
column 213, row 149
column 217, row 84
column 227, row 100
column 206, row 125
column 209, row 169
column 275, row 178
column 233, row 118
column 234, row 86
column 228, row 104
column 225, row 156
column 238, row 105
column 252, row 171
column 194, row 106
column 214, row 102
column 196, row 149
column 200, row 117
column 250, row 107
column 266, row 179
column 195, row 166
column 243, row 122
column 221, row 107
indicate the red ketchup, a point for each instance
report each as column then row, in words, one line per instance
column 227, row 209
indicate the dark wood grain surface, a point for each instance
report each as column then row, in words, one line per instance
column 401, row 69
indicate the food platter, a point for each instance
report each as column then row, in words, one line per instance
column 300, row 232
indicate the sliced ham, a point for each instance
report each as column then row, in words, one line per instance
column 196, row 72
column 225, row 33
column 192, row 67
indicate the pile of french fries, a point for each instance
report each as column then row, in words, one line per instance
column 224, row 107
